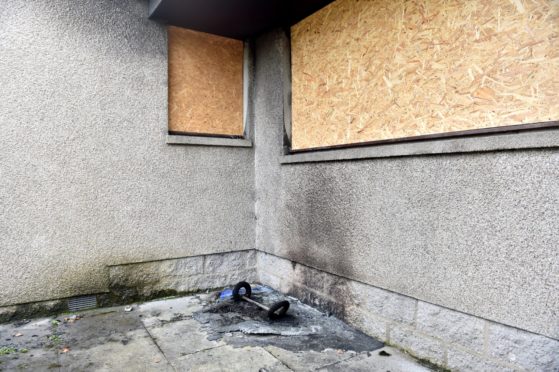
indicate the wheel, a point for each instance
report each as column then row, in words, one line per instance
column 278, row 310
column 237, row 291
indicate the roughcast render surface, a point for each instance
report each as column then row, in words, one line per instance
column 194, row 333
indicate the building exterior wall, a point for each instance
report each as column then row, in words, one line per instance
column 475, row 233
column 87, row 179
column 448, row 338
column 402, row 247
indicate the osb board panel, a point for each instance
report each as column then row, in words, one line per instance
column 387, row 69
column 205, row 83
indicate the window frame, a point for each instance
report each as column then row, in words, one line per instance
column 201, row 139
column 541, row 135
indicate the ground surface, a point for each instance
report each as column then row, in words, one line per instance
column 195, row 333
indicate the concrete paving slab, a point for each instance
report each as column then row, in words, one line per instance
column 33, row 360
column 107, row 340
column 156, row 313
column 111, row 325
column 25, row 345
column 181, row 338
column 138, row 354
column 385, row 359
column 309, row 360
column 228, row 358
column 29, row 334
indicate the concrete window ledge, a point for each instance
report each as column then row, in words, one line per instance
column 532, row 139
column 208, row 141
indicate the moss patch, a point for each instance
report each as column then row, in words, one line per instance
column 6, row 350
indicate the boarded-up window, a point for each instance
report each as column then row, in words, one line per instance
column 389, row 69
column 205, row 83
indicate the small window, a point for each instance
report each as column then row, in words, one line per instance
column 205, row 84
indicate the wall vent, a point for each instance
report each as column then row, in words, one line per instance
column 82, row 303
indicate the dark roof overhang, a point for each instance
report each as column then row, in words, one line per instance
column 239, row 19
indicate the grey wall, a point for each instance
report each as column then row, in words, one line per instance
column 86, row 177
column 88, row 181
column 476, row 233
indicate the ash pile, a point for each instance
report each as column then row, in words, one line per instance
column 302, row 328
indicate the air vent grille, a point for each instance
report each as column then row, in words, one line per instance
column 82, row 303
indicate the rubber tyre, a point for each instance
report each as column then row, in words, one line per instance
column 238, row 286
column 282, row 306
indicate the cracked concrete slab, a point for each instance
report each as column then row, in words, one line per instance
column 229, row 358
column 309, row 360
column 139, row 353
column 174, row 335
column 181, row 338
column 386, row 359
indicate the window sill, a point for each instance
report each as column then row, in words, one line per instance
column 546, row 138
column 208, row 141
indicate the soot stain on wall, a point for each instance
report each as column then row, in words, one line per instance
column 320, row 238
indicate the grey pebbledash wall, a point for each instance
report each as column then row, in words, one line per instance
column 88, row 184
column 477, row 233
column 86, row 178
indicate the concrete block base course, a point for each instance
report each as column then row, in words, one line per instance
column 182, row 275
column 448, row 338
